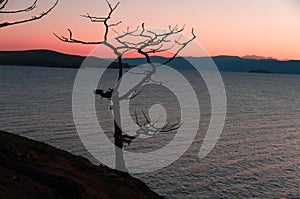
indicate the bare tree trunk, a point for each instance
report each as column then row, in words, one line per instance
column 120, row 64
column 120, row 163
column 119, row 142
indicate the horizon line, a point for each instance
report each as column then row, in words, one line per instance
column 248, row 56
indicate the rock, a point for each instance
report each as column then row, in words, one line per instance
column 38, row 170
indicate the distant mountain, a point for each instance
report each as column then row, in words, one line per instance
column 47, row 58
column 224, row 63
column 229, row 64
column 237, row 64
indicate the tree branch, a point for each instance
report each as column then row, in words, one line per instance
column 103, row 20
column 33, row 18
column 115, row 24
column 183, row 45
column 148, row 128
column 156, row 40
column 3, row 2
column 29, row 8
column 94, row 19
column 70, row 39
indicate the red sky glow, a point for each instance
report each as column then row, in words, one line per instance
column 268, row 28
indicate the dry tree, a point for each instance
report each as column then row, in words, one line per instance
column 146, row 43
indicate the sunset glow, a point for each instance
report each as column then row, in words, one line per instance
column 268, row 28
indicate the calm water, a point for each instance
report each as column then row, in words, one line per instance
column 257, row 155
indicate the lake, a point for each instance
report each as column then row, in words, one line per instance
column 257, row 155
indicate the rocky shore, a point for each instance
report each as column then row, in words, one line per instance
column 30, row 169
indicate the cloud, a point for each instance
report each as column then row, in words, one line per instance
column 257, row 57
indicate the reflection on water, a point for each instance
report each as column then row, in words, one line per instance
column 256, row 156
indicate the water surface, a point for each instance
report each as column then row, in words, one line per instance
column 257, row 155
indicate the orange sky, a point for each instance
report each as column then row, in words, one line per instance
column 269, row 28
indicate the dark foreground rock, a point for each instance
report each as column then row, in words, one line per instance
column 30, row 169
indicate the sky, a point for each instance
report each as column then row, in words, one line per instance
column 268, row 28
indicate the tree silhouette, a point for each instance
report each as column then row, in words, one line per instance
column 146, row 43
column 30, row 8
